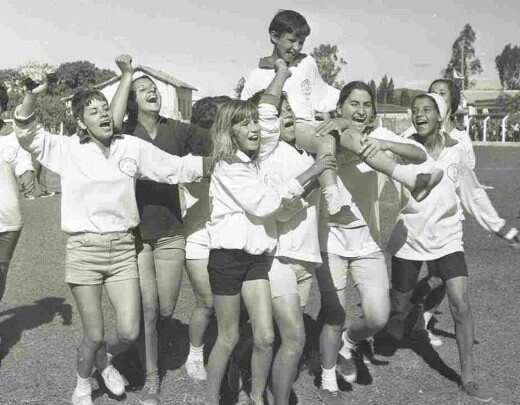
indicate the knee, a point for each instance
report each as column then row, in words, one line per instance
column 460, row 309
column 128, row 336
column 264, row 339
column 205, row 303
column 228, row 340
column 93, row 340
column 294, row 341
column 378, row 320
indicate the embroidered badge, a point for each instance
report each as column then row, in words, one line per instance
column 453, row 172
column 128, row 166
column 9, row 154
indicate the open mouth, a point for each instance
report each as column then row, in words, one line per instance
column 421, row 123
column 288, row 124
column 253, row 138
column 105, row 124
column 359, row 120
column 151, row 99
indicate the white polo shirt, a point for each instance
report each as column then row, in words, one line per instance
column 298, row 233
column 432, row 228
column 244, row 203
column 98, row 190
column 306, row 91
column 14, row 161
column 362, row 182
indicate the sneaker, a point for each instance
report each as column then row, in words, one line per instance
column 425, row 182
column 346, row 366
column 434, row 339
column 82, row 399
column 195, row 369
column 331, row 397
column 113, row 380
column 476, row 392
column 151, row 390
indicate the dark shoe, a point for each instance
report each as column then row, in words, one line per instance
column 425, row 182
column 476, row 392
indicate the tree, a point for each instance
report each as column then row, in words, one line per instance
column 76, row 74
column 463, row 58
column 239, row 87
column 382, row 90
column 405, row 98
column 373, row 86
column 508, row 66
column 329, row 63
column 390, row 92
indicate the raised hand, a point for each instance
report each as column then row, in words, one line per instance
column 124, row 63
column 281, row 67
column 334, row 126
column 370, row 147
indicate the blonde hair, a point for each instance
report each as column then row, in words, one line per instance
column 230, row 113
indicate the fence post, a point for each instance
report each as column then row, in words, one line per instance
column 504, row 125
column 485, row 128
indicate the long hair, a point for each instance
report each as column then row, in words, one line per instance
column 131, row 106
column 230, row 113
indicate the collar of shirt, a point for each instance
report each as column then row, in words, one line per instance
column 140, row 131
column 243, row 157
column 85, row 138
column 268, row 61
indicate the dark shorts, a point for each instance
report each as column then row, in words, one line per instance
column 229, row 268
column 8, row 242
column 406, row 272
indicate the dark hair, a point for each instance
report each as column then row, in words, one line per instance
column 291, row 22
column 356, row 85
column 83, row 98
column 4, row 97
column 204, row 111
column 454, row 94
column 131, row 106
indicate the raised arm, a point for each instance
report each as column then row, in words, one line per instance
column 120, row 101
column 157, row 165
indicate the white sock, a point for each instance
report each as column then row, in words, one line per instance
column 406, row 175
column 196, row 352
column 83, row 386
column 348, row 345
column 333, row 199
column 427, row 317
column 328, row 379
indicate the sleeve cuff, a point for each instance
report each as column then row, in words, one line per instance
column 21, row 121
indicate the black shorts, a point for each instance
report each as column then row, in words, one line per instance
column 229, row 268
column 406, row 272
column 8, row 242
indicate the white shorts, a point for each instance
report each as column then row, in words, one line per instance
column 291, row 276
column 197, row 245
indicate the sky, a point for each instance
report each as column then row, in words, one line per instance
column 211, row 44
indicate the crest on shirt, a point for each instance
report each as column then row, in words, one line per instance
column 453, row 172
column 9, row 154
column 306, row 87
column 128, row 166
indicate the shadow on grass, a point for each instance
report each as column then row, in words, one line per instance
column 28, row 317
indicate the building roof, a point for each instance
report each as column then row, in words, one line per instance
column 156, row 74
column 478, row 96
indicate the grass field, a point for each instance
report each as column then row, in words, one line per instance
column 40, row 326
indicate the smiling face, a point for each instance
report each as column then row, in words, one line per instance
column 287, row 45
column 147, row 97
column 246, row 135
column 358, row 108
column 425, row 116
column 97, row 121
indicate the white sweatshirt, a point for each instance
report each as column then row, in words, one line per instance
column 306, row 91
column 432, row 228
column 14, row 161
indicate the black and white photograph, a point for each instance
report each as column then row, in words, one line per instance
column 272, row 203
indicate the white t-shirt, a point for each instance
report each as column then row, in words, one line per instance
column 306, row 90
column 363, row 183
column 14, row 161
